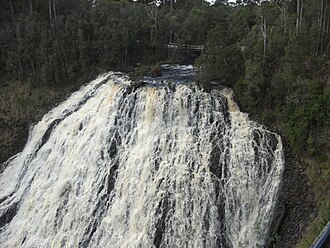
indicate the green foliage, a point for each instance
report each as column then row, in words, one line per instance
column 276, row 67
column 223, row 59
column 319, row 174
column 53, row 44
column 139, row 71
column 276, row 61
column 20, row 105
column 250, row 88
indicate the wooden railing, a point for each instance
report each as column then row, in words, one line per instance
column 173, row 45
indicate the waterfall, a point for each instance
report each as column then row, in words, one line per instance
column 154, row 166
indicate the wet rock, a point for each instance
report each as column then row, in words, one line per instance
column 156, row 71
column 298, row 197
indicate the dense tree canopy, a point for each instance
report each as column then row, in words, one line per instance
column 275, row 54
column 49, row 42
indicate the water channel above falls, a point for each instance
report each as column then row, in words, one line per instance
column 153, row 166
column 176, row 74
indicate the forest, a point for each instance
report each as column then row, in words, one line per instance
column 275, row 54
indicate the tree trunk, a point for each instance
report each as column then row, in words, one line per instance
column 301, row 12
column 298, row 14
column 153, row 14
column 50, row 9
column 54, row 8
column 300, row 7
column 283, row 8
column 11, row 10
column 30, row 7
column 33, row 67
column 327, row 27
column 322, row 27
column 325, row 20
column 264, row 34
column 263, row 28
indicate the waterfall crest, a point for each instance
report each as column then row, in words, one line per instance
column 114, row 166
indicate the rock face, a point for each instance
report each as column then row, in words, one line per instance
column 298, row 198
column 156, row 71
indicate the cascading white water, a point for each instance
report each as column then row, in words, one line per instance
column 114, row 166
